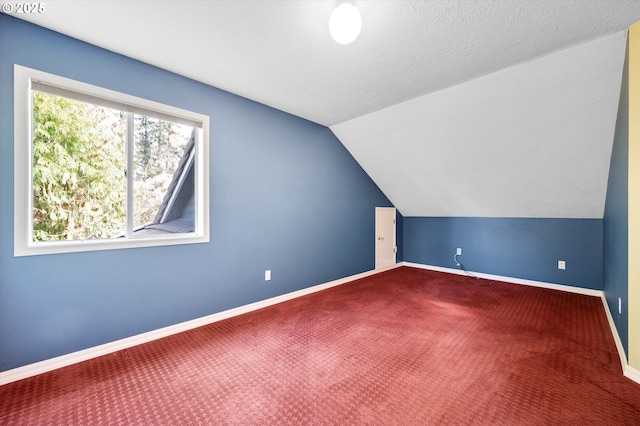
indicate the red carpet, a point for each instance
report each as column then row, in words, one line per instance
column 405, row 347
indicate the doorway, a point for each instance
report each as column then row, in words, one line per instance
column 385, row 237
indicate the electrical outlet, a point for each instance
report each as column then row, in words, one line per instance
column 267, row 275
column 458, row 251
column 562, row 264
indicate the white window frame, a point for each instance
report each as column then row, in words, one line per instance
column 23, row 170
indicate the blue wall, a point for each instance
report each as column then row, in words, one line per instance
column 285, row 195
column 616, row 213
column 527, row 248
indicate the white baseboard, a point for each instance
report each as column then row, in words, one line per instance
column 571, row 289
column 628, row 371
column 632, row 373
column 30, row 370
column 107, row 348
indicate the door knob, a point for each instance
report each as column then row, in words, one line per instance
column 380, row 238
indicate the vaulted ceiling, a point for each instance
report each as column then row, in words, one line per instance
column 455, row 108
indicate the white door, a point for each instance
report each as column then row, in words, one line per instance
column 385, row 237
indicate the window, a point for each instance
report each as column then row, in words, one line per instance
column 97, row 169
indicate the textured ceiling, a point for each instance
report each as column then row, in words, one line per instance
column 449, row 57
column 532, row 140
column 280, row 52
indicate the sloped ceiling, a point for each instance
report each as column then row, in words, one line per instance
column 459, row 108
column 532, row 140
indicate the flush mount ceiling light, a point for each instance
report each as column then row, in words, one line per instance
column 345, row 23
